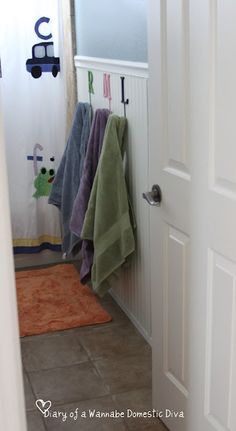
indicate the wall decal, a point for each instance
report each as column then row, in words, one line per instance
column 107, row 88
column 43, row 59
column 39, row 158
column 90, row 85
column 90, row 82
column 36, row 158
column 43, row 182
column 43, row 179
column 37, row 25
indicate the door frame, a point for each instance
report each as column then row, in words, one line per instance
column 12, row 405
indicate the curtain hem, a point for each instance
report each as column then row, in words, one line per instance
column 37, row 248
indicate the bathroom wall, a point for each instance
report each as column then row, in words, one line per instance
column 132, row 288
column 111, row 38
column 112, row 29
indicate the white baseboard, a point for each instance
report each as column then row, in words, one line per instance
column 133, row 319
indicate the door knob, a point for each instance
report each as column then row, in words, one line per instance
column 154, row 197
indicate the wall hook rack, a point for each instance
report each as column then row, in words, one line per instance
column 123, row 100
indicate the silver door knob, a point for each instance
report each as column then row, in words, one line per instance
column 154, row 197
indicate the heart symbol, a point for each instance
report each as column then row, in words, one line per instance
column 43, row 406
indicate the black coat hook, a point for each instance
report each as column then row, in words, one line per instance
column 123, row 100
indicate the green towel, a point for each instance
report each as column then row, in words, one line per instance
column 107, row 220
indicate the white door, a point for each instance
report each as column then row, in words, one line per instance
column 192, row 107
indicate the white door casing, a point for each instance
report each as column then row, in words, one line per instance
column 12, row 409
column 192, row 93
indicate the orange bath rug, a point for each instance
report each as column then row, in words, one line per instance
column 51, row 299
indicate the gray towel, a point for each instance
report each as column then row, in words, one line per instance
column 86, row 183
column 66, row 183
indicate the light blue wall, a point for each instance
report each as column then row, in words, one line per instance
column 115, row 29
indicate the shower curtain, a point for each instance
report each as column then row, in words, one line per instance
column 34, row 116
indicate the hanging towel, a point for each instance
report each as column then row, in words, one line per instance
column 81, row 201
column 66, row 183
column 107, row 220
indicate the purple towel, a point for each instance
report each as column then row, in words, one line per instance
column 81, row 201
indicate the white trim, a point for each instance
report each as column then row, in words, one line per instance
column 12, row 407
column 114, row 66
column 132, row 318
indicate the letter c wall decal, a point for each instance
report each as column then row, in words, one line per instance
column 37, row 25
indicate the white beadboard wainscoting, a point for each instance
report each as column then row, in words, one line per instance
column 132, row 292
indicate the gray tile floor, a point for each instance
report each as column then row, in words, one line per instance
column 102, row 367
column 28, row 260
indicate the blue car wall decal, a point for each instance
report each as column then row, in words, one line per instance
column 43, row 60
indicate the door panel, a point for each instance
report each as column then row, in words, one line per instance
column 224, row 92
column 220, row 364
column 174, row 313
column 174, row 53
